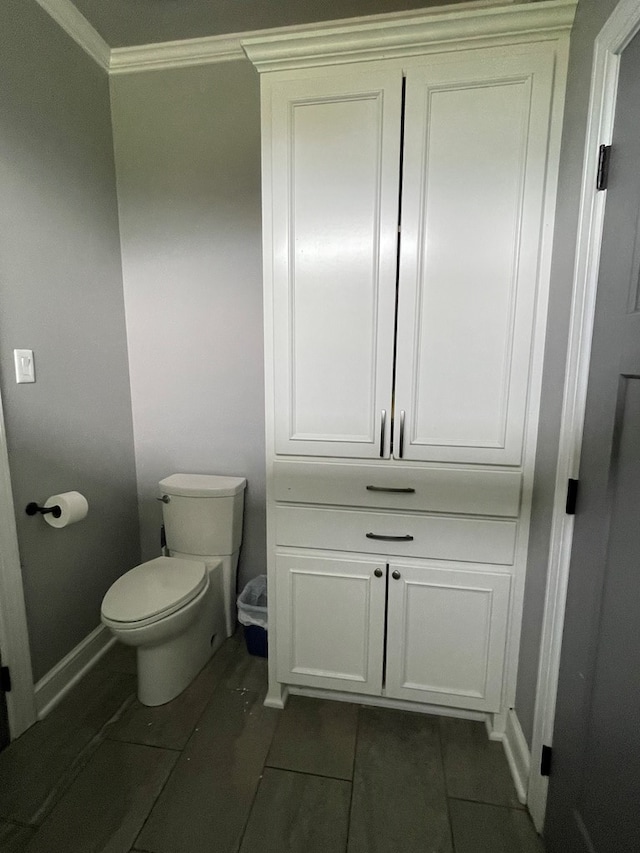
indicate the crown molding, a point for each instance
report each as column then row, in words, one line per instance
column 349, row 40
column 227, row 47
column 178, row 54
column 76, row 25
column 344, row 40
column 408, row 34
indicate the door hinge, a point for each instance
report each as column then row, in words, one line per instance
column 572, row 497
column 5, row 679
column 604, row 159
column 545, row 761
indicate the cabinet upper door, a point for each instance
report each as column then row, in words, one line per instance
column 331, row 167
column 475, row 163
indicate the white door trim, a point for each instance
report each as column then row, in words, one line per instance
column 618, row 31
column 14, row 639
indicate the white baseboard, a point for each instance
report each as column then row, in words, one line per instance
column 518, row 756
column 55, row 685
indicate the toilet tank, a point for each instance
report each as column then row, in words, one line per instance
column 203, row 513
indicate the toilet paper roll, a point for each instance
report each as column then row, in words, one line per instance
column 74, row 508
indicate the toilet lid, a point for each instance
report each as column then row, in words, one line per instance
column 155, row 588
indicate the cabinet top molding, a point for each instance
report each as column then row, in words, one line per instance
column 406, row 34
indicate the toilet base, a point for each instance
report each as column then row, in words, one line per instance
column 166, row 669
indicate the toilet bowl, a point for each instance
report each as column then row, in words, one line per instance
column 177, row 610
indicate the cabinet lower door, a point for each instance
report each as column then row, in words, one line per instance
column 446, row 635
column 330, row 622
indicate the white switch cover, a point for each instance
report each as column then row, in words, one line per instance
column 25, row 367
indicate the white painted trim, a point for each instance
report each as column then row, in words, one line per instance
column 55, row 685
column 348, row 40
column 228, row 47
column 386, row 702
column 406, row 34
column 518, row 756
column 76, row 25
column 277, row 698
column 177, row 54
column 14, row 636
column 620, row 28
column 354, row 39
column 535, row 380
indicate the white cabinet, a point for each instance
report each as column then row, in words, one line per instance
column 409, row 179
column 446, row 629
column 467, row 232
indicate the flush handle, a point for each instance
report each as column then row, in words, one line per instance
column 165, row 499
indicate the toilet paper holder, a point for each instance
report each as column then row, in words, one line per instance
column 33, row 509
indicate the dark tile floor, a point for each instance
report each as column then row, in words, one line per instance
column 215, row 771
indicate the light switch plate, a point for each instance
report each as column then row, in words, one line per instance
column 25, row 366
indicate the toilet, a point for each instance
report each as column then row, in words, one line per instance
column 177, row 610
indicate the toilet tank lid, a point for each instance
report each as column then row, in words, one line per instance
column 202, row 485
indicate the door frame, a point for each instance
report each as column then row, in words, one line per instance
column 622, row 25
column 14, row 637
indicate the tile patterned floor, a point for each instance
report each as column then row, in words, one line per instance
column 215, row 771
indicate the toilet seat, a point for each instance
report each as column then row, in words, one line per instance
column 153, row 590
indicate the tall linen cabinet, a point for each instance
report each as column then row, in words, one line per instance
column 409, row 178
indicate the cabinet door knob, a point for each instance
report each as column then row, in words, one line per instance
column 378, row 573
column 396, row 575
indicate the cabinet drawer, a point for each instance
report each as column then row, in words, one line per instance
column 463, row 491
column 436, row 537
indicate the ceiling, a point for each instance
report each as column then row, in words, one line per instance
column 123, row 23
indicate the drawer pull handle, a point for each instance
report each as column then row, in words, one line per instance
column 396, row 491
column 406, row 538
column 396, row 575
column 378, row 573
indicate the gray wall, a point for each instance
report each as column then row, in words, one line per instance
column 61, row 295
column 590, row 17
column 187, row 145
